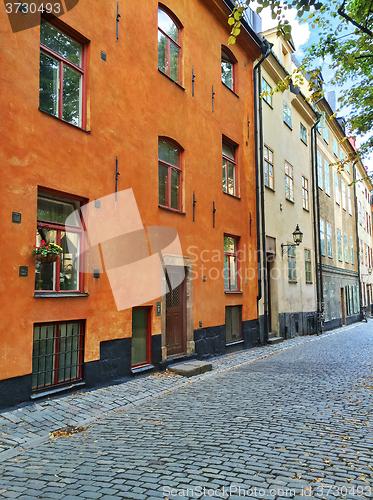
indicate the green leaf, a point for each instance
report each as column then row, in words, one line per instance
column 231, row 21
column 231, row 40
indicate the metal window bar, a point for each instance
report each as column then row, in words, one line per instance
column 57, row 354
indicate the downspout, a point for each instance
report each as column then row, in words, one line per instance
column 316, row 221
column 259, row 196
column 357, row 241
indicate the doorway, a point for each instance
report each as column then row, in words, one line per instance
column 141, row 337
column 176, row 311
column 343, row 306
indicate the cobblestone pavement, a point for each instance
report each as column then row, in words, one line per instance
column 292, row 425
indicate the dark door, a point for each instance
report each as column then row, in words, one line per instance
column 343, row 307
column 175, row 312
column 140, row 352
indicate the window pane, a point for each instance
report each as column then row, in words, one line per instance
column 43, row 359
column 168, row 153
column 163, row 185
column 233, row 272
column 174, row 62
column 228, row 150
column 56, row 211
column 231, row 178
column 69, row 266
column 52, row 38
column 45, row 272
column 162, row 52
column 226, row 272
column 72, row 96
column 48, row 84
column 233, row 324
column 139, row 353
column 166, row 24
column 175, row 189
column 229, row 244
column 226, row 70
column 225, row 188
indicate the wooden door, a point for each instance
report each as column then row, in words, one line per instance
column 175, row 312
column 343, row 307
column 141, row 336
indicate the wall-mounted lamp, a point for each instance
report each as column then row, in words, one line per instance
column 297, row 237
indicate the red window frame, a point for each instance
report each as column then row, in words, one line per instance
column 43, row 193
column 148, row 340
column 57, row 354
column 233, row 255
column 233, row 62
column 170, row 167
column 170, row 40
column 227, row 159
column 61, row 60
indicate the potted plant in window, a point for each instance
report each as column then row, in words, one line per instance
column 47, row 252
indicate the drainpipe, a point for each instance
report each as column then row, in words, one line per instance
column 357, row 241
column 259, row 195
column 316, row 223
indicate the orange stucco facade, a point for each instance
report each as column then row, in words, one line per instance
column 130, row 103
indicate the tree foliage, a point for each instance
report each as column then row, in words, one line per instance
column 345, row 43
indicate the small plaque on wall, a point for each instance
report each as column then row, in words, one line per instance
column 158, row 308
column 16, row 217
column 23, row 271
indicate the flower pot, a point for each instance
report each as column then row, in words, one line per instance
column 46, row 259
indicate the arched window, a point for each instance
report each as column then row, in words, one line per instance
column 169, row 45
column 228, row 71
column 169, row 174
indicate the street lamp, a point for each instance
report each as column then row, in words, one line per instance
column 297, row 237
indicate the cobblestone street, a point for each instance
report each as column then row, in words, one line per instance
column 292, row 420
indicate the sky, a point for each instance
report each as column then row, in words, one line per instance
column 303, row 36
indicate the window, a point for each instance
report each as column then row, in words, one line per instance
column 318, row 128
column 336, row 188
column 335, row 148
column 292, row 271
column 289, row 186
column 348, row 167
column 339, row 244
column 345, row 242
column 59, row 223
column 327, row 178
column 267, row 88
column 169, row 46
column 322, row 237
column 319, row 171
column 352, row 250
column 231, row 277
column 349, row 201
column 57, row 356
column 305, row 193
column 325, row 134
column 169, row 175
column 361, row 252
column 307, row 261
column 233, row 324
column 287, row 115
column 329, row 240
column 343, row 189
column 228, row 69
column 62, row 75
column 229, row 169
column 303, row 133
column 341, row 155
column 268, row 167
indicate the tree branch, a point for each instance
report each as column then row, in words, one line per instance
column 352, row 21
column 363, row 57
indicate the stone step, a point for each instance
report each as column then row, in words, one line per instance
column 192, row 368
column 271, row 335
column 275, row 340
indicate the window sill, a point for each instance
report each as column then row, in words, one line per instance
column 55, row 390
column 54, row 295
column 270, row 105
column 271, row 189
column 230, row 90
column 172, row 210
column 171, row 80
column 141, row 369
column 309, row 282
column 232, row 195
column 64, row 121
column 293, row 282
column 306, row 210
column 304, row 142
column 232, row 291
column 326, row 142
column 291, row 201
column 288, row 126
